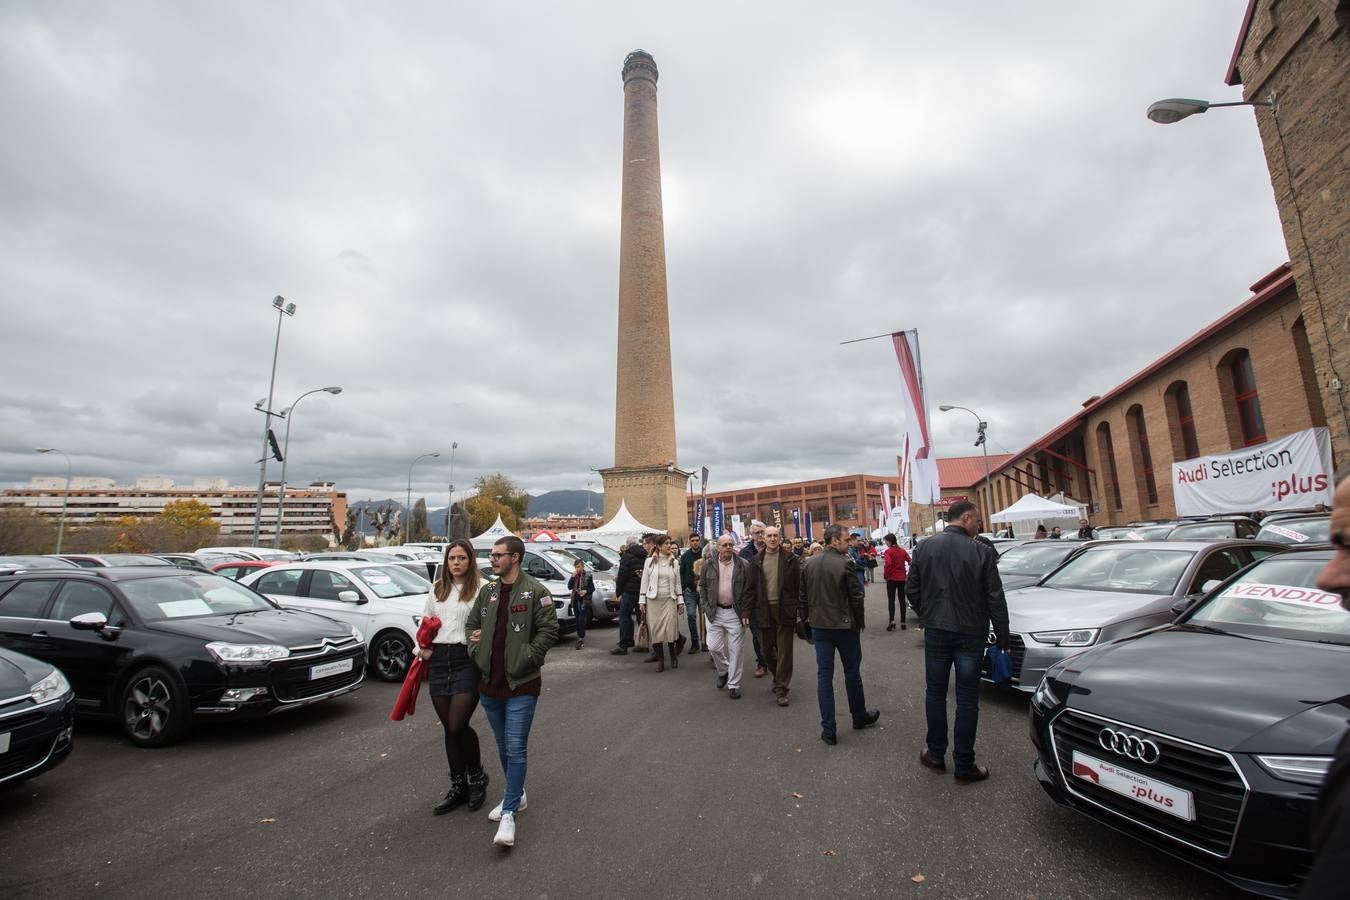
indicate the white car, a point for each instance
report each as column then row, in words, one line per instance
column 383, row 600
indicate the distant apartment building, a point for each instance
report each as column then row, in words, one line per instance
column 312, row 509
column 558, row 523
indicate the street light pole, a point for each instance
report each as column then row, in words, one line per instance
column 407, row 508
column 283, row 309
column 288, row 412
column 984, row 445
column 65, row 499
column 454, row 445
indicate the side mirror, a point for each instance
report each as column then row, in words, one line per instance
column 90, row 621
column 351, row 597
column 1210, row 585
column 1184, row 604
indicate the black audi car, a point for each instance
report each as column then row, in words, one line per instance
column 154, row 648
column 35, row 717
column 1210, row 737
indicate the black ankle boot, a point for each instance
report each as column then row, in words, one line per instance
column 454, row 797
column 478, row 782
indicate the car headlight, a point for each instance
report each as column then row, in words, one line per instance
column 1302, row 769
column 49, row 688
column 356, row 633
column 1078, row 637
column 246, row 654
column 1045, row 698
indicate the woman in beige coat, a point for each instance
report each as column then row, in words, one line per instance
column 660, row 602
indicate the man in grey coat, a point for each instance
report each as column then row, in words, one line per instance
column 724, row 593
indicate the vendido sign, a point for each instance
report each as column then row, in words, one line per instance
column 1293, row 472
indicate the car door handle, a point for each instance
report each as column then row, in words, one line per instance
column 40, row 634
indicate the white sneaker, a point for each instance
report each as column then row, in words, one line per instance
column 496, row 814
column 506, row 832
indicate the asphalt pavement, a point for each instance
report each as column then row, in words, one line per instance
column 640, row 785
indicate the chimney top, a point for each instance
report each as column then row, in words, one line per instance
column 639, row 64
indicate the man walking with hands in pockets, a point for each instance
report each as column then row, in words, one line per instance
column 724, row 593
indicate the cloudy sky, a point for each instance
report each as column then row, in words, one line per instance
column 436, row 187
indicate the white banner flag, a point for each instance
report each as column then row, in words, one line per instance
column 921, row 455
column 1293, row 472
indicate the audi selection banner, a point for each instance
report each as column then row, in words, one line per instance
column 1293, row 472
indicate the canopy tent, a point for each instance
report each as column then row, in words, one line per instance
column 1033, row 508
column 498, row 530
column 544, row 535
column 616, row 532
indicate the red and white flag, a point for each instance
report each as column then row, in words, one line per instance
column 920, row 454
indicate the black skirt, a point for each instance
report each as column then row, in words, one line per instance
column 450, row 671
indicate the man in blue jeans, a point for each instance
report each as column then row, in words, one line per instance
column 954, row 587
column 830, row 600
column 627, row 583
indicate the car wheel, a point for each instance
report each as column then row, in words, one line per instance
column 390, row 655
column 154, row 708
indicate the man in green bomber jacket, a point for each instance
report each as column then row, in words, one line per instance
column 511, row 627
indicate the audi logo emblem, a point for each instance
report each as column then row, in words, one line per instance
column 1130, row 745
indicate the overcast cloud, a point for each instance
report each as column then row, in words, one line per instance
column 436, row 186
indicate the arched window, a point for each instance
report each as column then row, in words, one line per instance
column 1143, row 457
column 1237, row 385
column 1185, row 445
column 1108, row 454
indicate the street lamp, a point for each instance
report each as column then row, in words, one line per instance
column 286, row 455
column 1174, row 109
column 65, row 498
column 984, row 445
column 283, row 309
column 407, row 509
column 454, row 445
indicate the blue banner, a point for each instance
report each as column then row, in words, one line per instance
column 698, row 516
column 810, row 535
column 797, row 521
column 717, row 520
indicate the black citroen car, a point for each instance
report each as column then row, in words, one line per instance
column 35, row 717
column 154, row 648
column 1210, row 737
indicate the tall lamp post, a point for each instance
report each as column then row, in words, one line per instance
column 407, row 509
column 288, row 413
column 283, row 309
column 65, row 498
column 982, row 444
column 454, row 445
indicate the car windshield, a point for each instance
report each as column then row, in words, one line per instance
column 566, row 560
column 605, row 553
column 37, row 562
column 1142, row 570
column 1278, row 597
column 132, row 559
column 392, row 581
column 1032, row 559
column 1205, row 532
column 1297, row 531
column 185, row 596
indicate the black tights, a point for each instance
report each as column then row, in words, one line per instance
column 461, row 741
column 895, row 590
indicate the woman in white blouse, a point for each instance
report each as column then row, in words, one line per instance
column 661, row 602
column 453, row 678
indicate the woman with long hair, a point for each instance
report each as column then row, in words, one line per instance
column 453, row 677
column 660, row 602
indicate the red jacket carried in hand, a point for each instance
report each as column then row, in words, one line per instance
column 406, row 704
column 894, row 563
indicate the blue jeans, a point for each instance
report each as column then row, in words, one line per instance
column 510, row 721
column 849, row 644
column 583, row 613
column 628, row 607
column 691, row 612
column 941, row 651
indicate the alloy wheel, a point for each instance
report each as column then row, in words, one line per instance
column 392, row 658
column 148, row 707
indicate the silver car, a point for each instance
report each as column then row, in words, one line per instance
column 1112, row 590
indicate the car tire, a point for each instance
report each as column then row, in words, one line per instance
column 153, row 708
column 390, row 655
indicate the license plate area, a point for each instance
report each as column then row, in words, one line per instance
column 1142, row 789
column 333, row 668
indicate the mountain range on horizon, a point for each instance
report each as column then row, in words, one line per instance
column 562, row 503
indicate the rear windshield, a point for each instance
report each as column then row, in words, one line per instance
column 1297, row 531
column 1032, row 559
column 392, row 581
column 1124, row 569
column 1206, row 532
column 1278, row 597
column 186, row 596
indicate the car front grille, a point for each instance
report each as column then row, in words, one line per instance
column 25, row 757
column 293, row 683
column 332, row 646
column 1215, row 784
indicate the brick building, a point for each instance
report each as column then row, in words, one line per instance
column 1247, row 378
column 309, row 510
column 961, row 478
column 853, row 501
column 1298, row 51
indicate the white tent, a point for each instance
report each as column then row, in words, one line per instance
column 498, row 530
column 1046, row 511
column 616, row 532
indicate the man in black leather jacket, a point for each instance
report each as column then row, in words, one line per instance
column 954, row 586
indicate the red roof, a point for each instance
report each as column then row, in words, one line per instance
column 1264, row 290
column 965, row 471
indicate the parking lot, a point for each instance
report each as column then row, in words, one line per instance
column 640, row 785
